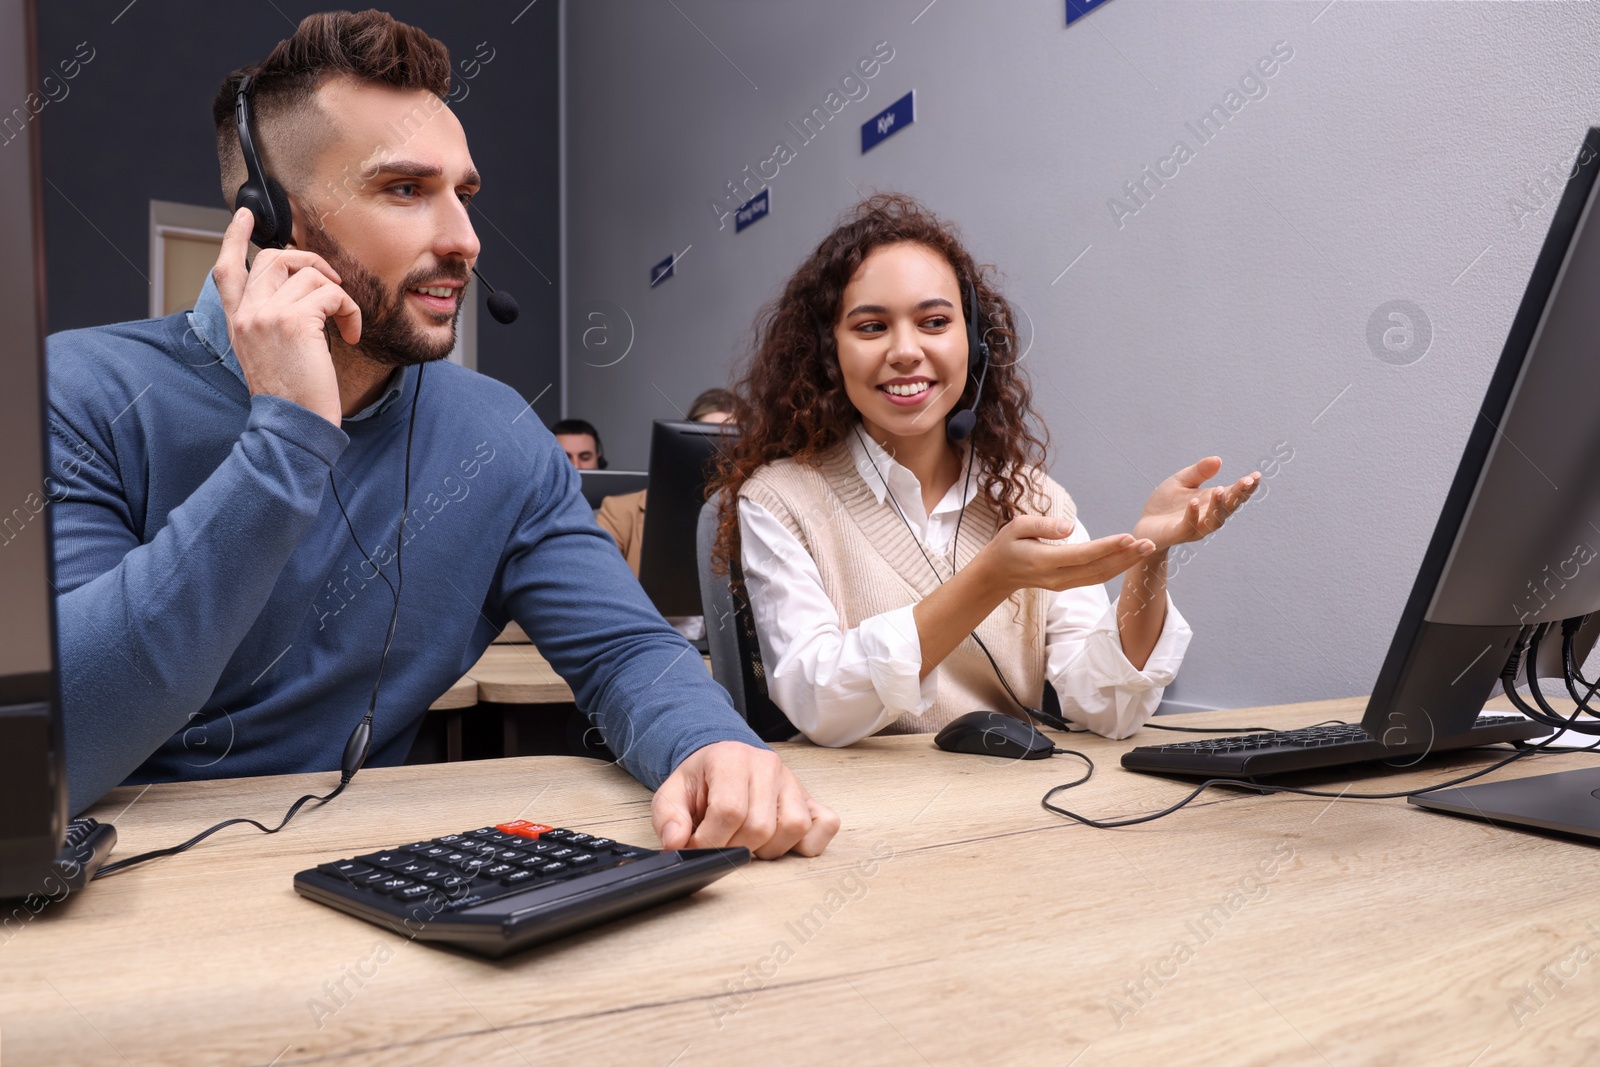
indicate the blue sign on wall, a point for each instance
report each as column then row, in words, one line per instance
column 661, row 271
column 1076, row 9
column 889, row 121
column 753, row 210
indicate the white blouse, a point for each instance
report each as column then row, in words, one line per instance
column 838, row 686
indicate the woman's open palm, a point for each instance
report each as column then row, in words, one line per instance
column 1181, row 510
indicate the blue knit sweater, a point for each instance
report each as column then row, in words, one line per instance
column 217, row 620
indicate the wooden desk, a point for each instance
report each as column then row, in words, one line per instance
column 513, row 634
column 515, row 673
column 464, row 694
column 993, row 932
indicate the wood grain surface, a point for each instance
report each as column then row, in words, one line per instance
column 953, row 921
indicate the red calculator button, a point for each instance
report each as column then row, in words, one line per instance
column 523, row 828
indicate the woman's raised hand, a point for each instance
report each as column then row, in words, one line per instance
column 1182, row 510
column 1022, row 556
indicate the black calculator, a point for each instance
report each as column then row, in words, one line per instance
column 501, row 888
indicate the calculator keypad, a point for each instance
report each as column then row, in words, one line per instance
column 459, row 870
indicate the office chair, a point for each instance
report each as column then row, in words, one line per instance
column 731, row 635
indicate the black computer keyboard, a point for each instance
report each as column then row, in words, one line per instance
column 1313, row 748
column 501, row 888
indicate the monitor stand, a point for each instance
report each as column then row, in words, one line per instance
column 1564, row 803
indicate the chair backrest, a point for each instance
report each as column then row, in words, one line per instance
column 716, row 597
column 731, row 634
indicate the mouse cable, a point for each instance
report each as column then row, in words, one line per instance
column 1088, row 765
column 359, row 744
column 1111, row 824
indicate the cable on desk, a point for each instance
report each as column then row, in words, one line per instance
column 1088, row 766
column 123, row 864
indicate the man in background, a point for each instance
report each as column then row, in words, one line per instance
column 581, row 442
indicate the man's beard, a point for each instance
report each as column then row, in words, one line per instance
column 387, row 332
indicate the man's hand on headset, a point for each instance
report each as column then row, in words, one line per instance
column 278, row 311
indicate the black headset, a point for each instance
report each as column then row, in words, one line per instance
column 963, row 422
column 265, row 198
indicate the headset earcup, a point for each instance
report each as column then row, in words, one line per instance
column 260, row 202
column 280, row 208
column 249, row 198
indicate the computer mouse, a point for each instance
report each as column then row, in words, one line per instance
column 993, row 733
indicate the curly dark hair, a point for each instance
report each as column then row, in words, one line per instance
column 790, row 399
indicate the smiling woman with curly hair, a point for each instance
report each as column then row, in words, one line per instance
column 901, row 572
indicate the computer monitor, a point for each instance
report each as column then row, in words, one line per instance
column 1525, row 501
column 33, row 783
column 680, row 457
column 597, row 485
column 1517, row 544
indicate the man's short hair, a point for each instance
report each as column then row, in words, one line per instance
column 576, row 426
column 369, row 46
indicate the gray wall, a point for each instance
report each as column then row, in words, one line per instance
column 1396, row 156
column 134, row 125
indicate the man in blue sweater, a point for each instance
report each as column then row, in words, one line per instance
column 220, row 615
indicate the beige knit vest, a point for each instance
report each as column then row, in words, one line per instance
column 870, row 563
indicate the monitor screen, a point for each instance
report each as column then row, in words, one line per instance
column 33, row 797
column 680, row 459
column 1517, row 543
column 597, row 485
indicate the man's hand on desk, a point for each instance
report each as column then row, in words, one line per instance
column 732, row 794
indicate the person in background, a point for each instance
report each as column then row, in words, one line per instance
column 622, row 516
column 713, row 405
column 581, row 442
